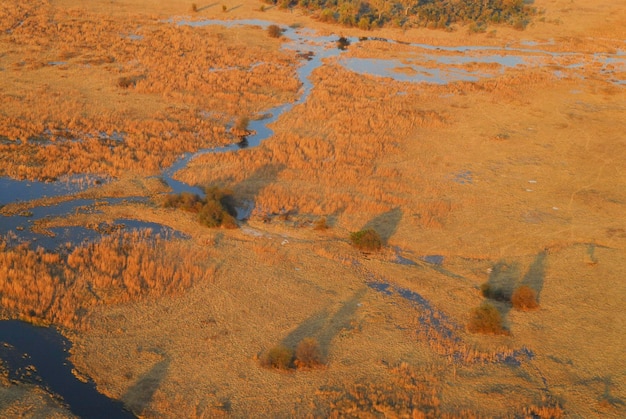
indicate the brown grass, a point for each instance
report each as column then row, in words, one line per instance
column 61, row 288
column 165, row 112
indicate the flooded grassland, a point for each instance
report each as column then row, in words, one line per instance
column 486, row 163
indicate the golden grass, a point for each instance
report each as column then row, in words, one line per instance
column 176, row 103
column 61, row 288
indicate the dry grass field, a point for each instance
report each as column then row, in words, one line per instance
column 476, row 189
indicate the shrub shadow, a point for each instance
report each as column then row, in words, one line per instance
column 385, row 224
column 207, row 6
column 502, row 281
column 248, row 189
column 535, row 276
column 140, row 394
column 324, row 327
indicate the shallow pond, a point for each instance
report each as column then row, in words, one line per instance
column 38, row 355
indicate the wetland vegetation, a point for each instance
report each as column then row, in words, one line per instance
column 428, row 221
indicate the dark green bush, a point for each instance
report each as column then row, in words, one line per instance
column 367, row 240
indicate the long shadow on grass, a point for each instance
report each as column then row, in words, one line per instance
column 140, row 394
column 501, row 285
column 535, row 276
column 385, row 224
column 207, row 6
column 324, row 327
column 249, row 188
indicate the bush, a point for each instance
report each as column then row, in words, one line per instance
column 485, row 319
column 274, row 31
column 214, row 210
column 279, row 357
column 125, row 82
column 366, row 240
column 308, row 354
column 524, row 298
column 498, row 294
column 321, row 224
column 242, row 123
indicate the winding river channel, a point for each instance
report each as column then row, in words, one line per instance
column 46, row 350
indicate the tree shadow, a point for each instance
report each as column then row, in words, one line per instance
column 502, row 281
column 139, row 395
column 385, row 224
column 207, row 6
column 500, row 287
column 248, row 189
column 535, row 276
column 324, row 327
column 309, row 328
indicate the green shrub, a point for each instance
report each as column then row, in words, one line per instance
column 279, row 357
column 485, row 319
column 524, row 298
column 327, row 15
column 368, row 240
column 308, row 354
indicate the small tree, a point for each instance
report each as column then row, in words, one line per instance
column 524, row 298
column 485, row 319
column 368, row 240
column 308, row 354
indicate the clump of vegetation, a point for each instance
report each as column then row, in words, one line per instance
column 495, row 293
column 274, row 31
column 321, row 224
column 279, row 357
column 242, row 123
column 368, row 240
column 412, row 13
column 308, row 354
column 224, row 8
column 62, row 288
column 524, row 298
column 194, row 7
column 485, row 319
column 126, row 82
column 214, row 210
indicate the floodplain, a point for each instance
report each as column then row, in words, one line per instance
column 487, row 163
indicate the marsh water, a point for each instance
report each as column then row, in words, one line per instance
column 46, row 350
